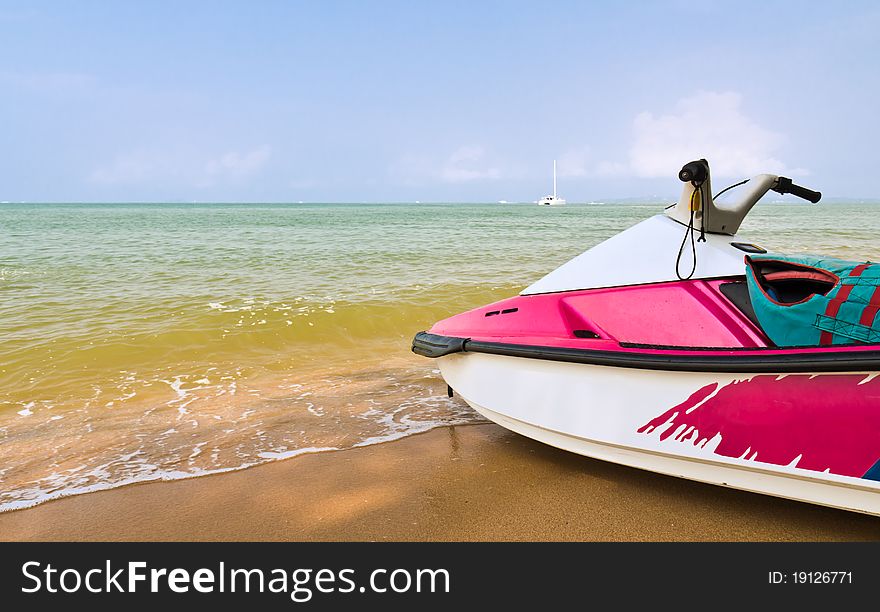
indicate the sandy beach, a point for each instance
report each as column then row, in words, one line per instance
column 476, row 482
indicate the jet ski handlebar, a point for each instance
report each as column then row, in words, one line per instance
column 698, row 208
column 784, row 185
column 697, row 172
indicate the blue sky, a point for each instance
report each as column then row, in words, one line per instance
column 431, row 101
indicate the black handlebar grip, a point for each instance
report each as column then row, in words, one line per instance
column 695, row 171
column 784, row 185
column 807, row 194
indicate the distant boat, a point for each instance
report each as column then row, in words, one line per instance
column 552, row 200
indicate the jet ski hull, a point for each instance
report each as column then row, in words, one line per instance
column 809, row 436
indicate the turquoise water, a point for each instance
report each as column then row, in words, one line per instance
column 169, row 340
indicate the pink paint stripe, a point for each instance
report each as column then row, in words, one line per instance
column 829, row 422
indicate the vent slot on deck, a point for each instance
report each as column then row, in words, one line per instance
column 492, row 313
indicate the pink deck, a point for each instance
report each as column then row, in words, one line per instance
column 675, row 314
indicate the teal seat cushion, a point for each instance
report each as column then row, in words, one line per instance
column 814, row 301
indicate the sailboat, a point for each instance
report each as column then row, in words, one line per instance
column 552, row 200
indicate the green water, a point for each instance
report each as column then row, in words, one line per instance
column 166, row 340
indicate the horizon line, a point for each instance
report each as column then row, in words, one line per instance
column 595, row 202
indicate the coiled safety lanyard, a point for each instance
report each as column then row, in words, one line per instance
column 689, row 231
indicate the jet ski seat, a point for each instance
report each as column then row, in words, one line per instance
column 814, row 301
column 788, row 283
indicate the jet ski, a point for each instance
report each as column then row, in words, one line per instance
column 679, row 347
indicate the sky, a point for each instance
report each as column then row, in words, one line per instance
column 352, row 101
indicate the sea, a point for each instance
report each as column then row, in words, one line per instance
column 157, row 341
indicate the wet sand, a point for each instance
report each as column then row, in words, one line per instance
column 476, row 482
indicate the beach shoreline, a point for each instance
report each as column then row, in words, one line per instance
column 458, row 483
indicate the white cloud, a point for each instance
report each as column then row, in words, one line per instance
column 465, row 164
column 181, row 168
column 574, row 163
column 56, row 83
column 611, row 169
column 236, row 165
column 132, row 167
column 468, row 163
column 707, row 125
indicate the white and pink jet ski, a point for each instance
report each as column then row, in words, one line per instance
column 678, row 347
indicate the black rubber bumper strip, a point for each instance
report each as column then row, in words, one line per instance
column 434, row 345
